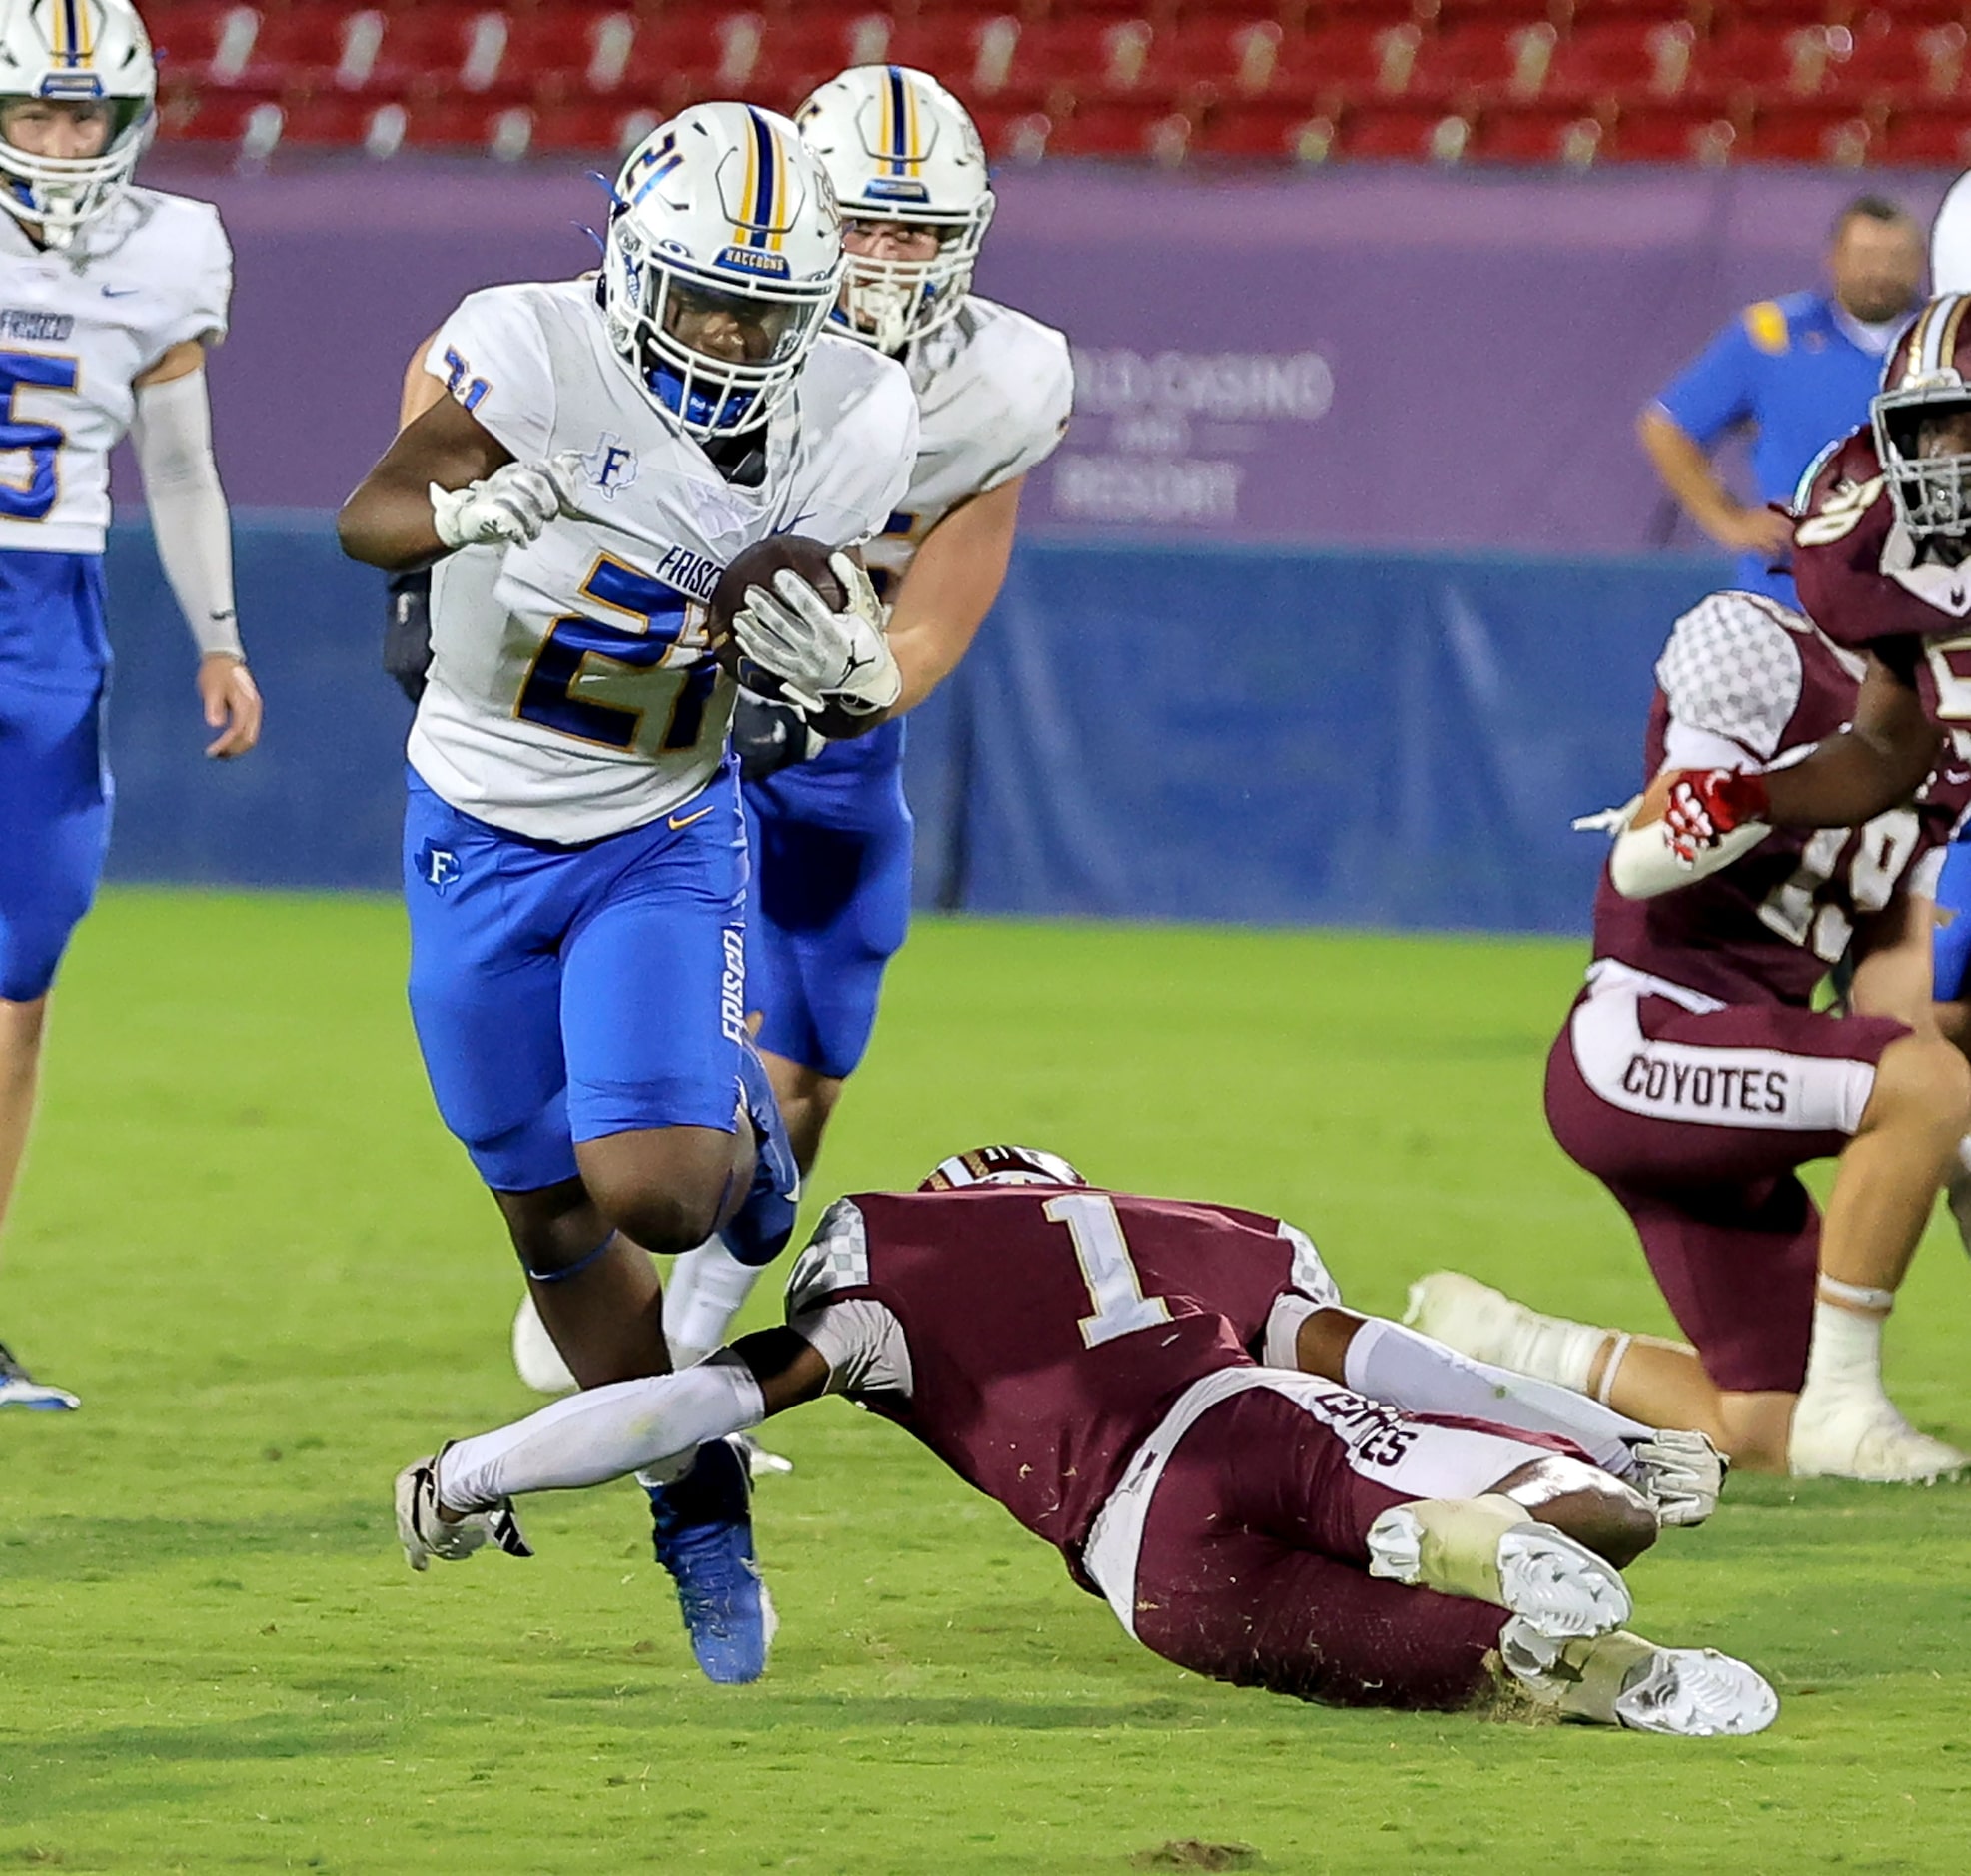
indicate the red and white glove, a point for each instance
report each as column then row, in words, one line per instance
column 1706, row 804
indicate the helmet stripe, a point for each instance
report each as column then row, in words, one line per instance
column 762, row 162
column 899, row 112
column 1947, row 341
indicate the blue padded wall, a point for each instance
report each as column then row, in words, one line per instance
column 1286, row 737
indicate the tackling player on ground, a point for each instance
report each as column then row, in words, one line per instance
column 110, row 296
column 1086, row 1359
column 1695, row 1077
column 574, row 858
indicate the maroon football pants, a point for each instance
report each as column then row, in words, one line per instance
column 1252, row 1566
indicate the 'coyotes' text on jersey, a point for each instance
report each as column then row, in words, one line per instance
column 1863, row 583
column 573, row 693
column 1048, row 1328
column 1742, row 682
column 77, row 329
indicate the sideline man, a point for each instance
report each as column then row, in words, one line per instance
column 1799, row 371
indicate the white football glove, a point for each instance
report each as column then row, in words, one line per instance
column 1680, row 1474
column 821, row 656
column 510, row 507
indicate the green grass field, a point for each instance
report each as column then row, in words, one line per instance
column 246, row 1241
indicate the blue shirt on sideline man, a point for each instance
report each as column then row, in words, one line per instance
column 1798, row 371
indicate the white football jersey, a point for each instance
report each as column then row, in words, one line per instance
column 994, row 392
column 77, row 329
column 572, row 692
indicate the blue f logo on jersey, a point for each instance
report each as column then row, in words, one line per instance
column 437, row 867
column 612, row 465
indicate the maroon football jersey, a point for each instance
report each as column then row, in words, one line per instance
column 1051, row 1327
column 1858, row 578
column 1767, row 928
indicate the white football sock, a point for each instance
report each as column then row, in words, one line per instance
column 602, row 1434
column 1846, row 1351
column 706, row 1290
column 1389, row 1362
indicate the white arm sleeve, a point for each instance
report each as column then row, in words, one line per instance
column 172, row 434
column 1389, row 1362
column 604, row 1434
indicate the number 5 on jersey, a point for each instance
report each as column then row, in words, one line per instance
column 653, row 702
column 33, row 498
column 1114, row 1287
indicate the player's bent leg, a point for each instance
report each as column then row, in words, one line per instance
column 1621, row 1679
column 1844, row 1424
column 595, row 1291
column 668, row 1188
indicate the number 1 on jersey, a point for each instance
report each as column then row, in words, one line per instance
column 1114, row 1287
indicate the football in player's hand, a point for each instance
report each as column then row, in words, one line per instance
column 756, row 567
column 1655, row 798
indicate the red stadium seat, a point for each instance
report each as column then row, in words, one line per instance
column 1074, row 55
column 1118, row 128
column 1482, row 60
column 316, row 46
column 815, row 46
column 339, row 118
column 1535, row 134
column 1620, row 59
column 1937, row 138
column 1351, row 61
column 1405, row 132
column 1886, row 60
column 1264, row 128
column 606, row 128
column 1012, row 135
column 211, row 117
column 559, row 54
column 1218, row 56
column 681, row 57
column 1808, row 133
column 1757, row 61
column 1670, row 133
column 1785, row 13
column 970, row 52
column 209, row 42
column 439, row 47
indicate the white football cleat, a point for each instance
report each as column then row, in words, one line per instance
column 535, row 1359
column 1471, row 1317
column 1490, row 1550
column 1621, row 1679
column 1856, row 1432
column 426, row 1536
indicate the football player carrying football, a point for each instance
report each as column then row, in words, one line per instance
column 1695, row 1076
column 110, row 296
column 574, row 858
column 831, row 833
column 1087, row 1359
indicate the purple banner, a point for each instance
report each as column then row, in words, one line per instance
column 1397, row 356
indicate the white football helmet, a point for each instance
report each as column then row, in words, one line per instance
column 724, row 230
column 73, row 52
column 1001, row 1166
column 901, row 148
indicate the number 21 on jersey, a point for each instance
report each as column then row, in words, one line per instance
column 1114, row 1287
column 653, row 701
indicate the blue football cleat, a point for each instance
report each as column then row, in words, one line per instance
column 759, row 1230
column 19, row 1389
column 704, row 1533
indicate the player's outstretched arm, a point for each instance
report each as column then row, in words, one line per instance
column 1680, row 1474
column 1875, row 764
column 608, row 1433
column 950, row 587
column 172, row 435
column 391, row 520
